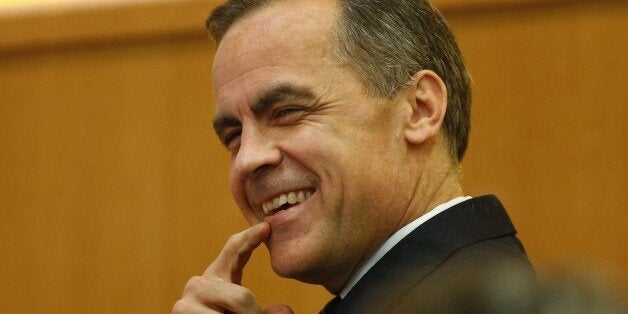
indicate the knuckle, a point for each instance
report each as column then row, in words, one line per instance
column 243, row 298
column 195, row 285
column 234, row 239
column 233, row 246
column 180, row 307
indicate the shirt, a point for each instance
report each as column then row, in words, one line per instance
column 394, row 239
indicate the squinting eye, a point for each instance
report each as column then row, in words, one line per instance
column 285, row 112
column 231, row 136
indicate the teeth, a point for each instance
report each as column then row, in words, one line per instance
column 276, row 203
column 289, row 198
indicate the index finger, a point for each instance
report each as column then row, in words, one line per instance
column 235, row 254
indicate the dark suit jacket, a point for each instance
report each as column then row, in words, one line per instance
column 441, row 255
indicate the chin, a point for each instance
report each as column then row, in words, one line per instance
column 305, row 266
column 288, row 264
column 295, row 264
column 311, row 273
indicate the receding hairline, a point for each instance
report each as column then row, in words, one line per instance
column 223, row 18
column 332, row 31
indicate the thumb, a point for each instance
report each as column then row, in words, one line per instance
column 279, row 309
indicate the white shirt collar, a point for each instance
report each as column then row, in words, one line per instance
column 394, row 239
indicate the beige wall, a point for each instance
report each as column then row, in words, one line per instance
column 113, row 188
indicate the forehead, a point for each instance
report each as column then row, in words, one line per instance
column 286, row 41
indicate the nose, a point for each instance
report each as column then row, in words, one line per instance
column 257, row 151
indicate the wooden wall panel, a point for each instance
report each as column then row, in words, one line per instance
column 70, row 22
column 113, row 187
column 549, row 133
column 89, row 141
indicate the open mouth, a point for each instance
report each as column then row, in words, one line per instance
column 285, row 201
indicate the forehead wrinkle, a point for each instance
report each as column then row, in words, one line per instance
column 219, row 86
column 249, row 55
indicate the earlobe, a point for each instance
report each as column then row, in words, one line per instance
column 427, row 99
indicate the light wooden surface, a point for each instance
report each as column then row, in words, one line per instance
column 113, row 188
column 549, row 132
column 67, row 23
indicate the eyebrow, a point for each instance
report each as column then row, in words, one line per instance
column 278, row 93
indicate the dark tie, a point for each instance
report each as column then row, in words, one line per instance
column 329, row 307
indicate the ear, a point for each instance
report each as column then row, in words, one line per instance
column 427, row 99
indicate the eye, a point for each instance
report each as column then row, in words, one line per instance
column 285, row 112
column 231, row 136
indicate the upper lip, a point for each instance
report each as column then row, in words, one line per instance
column 267, row 185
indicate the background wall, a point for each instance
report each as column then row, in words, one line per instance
column 113, row 187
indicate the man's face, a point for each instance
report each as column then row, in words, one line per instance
column 301, row 129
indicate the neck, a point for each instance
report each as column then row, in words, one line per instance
column 438, row 183
column 432, row 189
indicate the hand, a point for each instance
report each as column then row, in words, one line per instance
column 218, row 290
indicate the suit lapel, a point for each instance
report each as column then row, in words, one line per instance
column 423, row 250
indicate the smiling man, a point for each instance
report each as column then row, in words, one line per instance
column 346, row 122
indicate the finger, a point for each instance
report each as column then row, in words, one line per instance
column 220, row 295
column 279, row 309
column 236, row 253
column 187, row 307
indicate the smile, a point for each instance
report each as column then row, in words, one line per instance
column 285, row 201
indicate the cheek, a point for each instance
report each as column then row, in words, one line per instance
column 310, row 147
column 239, row 195
column 235, row 186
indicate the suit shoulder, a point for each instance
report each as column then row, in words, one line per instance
column 469, row 273
column 501, row 252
